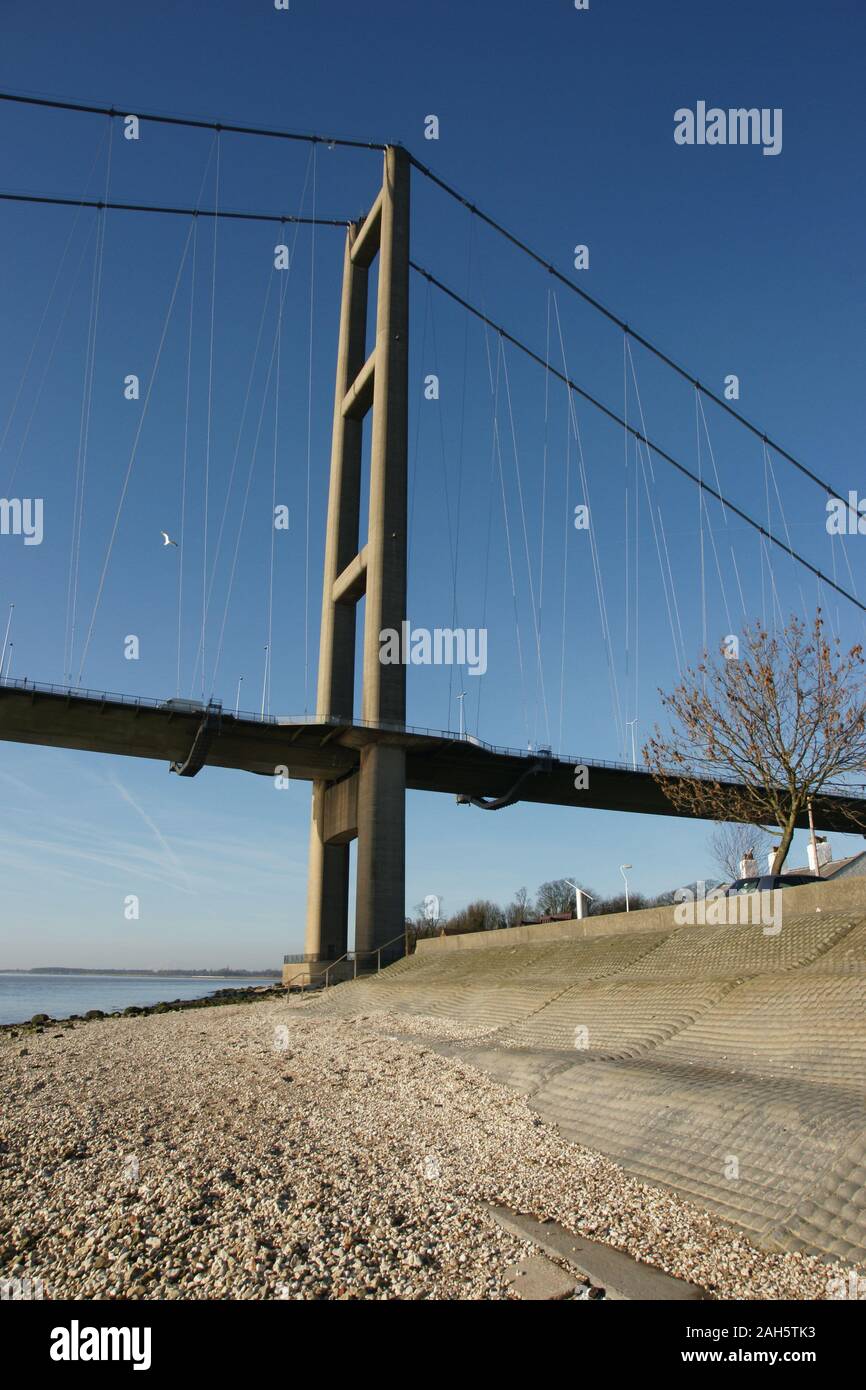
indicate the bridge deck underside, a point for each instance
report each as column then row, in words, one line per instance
column 724, row 1064
column 330, row 751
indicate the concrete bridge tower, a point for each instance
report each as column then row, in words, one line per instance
column 371, row 804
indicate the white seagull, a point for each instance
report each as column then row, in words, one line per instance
column 166, row 538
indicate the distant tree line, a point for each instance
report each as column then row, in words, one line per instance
column 553, row 899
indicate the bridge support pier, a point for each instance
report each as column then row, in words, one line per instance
column 380, row 890
column 327, row 887
column 372, row 804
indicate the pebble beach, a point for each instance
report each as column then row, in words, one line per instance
column 269, row 1151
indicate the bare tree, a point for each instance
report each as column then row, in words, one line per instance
column 518, row 909
column 732, row 841
column 781, row 719
column 412, row 934
column 481, row 915
column 555, row 897
column 428, row 916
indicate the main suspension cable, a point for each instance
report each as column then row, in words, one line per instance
column 620, row 323
column 636, row 433
column 191, row 122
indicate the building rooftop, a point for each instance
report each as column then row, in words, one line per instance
column 836, row 868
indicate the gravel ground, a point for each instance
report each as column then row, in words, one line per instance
column 263, row 1151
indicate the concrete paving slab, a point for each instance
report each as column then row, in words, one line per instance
column 620, row 1276
column 538, row 1279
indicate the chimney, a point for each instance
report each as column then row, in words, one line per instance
column 819, row 854
column 770, row 857
column 748, row 865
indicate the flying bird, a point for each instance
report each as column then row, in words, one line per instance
column 166, row 538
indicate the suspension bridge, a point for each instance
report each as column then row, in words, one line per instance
column 362, row 764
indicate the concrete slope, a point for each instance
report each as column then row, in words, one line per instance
column 727, row 1063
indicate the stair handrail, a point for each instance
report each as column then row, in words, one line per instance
column 354, row 956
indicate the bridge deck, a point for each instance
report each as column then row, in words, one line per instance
column 311, row 748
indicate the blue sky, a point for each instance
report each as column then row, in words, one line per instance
column 558, row 122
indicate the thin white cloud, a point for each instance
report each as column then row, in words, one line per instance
column 125, row 859
column 20, row 785
column 152, row 826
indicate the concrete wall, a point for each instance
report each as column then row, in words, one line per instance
column 843, row 895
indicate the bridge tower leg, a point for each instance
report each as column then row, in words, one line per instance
column 373, row 809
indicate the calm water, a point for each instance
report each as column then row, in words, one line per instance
column 22, row 996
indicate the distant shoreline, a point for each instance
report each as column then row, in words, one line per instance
column 41, row 1021
column 146, row 974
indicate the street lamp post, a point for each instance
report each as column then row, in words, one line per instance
column 622, row 869
column 238, row 700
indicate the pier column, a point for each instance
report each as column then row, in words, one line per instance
column 380, row 894
column 377, row 384
column 328, row 874
column 327, row 889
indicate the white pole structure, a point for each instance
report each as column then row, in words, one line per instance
column 631, row 723
column 238, row 700
column 817, row 870
column 622, row 869
column 579, row 895
column 265, row 681
column 8, row 664
column 6, row 638
column 461, row 698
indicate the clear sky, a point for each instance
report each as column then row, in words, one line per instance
column 561, row 124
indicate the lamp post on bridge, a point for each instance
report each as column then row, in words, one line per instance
column 6, row 638
column 631, row 723
column 265, row 681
